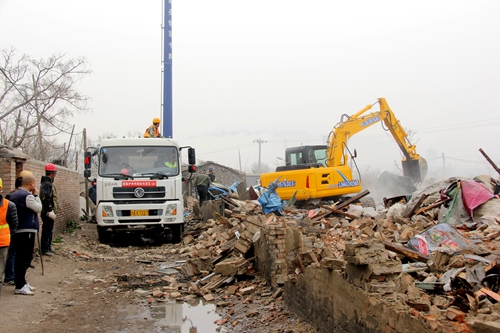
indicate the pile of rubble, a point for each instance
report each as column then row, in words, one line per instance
column 434, row 253
column 448, row 271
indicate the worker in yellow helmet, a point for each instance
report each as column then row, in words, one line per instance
column 153, row 131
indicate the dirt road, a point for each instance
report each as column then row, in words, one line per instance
column 89, row 287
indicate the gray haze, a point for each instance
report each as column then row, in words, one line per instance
column 283, row 72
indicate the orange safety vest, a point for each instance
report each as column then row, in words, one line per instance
column 4, row 226
column 147, row 133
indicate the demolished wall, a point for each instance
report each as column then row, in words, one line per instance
column 325, row 298
column 320, row 293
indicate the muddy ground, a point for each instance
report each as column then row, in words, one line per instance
column 89, row 287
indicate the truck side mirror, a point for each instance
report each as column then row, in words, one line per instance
column 191, row 156
column 88, row 160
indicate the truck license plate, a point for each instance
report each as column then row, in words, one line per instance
column 143, row 212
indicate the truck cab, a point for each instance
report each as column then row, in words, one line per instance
column 139, row 187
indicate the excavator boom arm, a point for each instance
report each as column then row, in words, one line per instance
column 339, row 136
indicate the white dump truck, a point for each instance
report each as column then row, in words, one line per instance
column 139, row 186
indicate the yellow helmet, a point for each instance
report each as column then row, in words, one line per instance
column 156, row 120
column 25, row 172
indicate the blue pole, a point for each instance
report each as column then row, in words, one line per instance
column 167, row 71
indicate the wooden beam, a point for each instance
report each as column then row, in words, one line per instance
column 336, row 211
column 411, row 211
column 415, row 255
column 352, row 199
column 434, row 205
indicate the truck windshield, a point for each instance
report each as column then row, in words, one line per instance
column 137, row 161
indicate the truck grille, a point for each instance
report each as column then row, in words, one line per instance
column 129, row 193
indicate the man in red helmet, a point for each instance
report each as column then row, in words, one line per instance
column 50, row 205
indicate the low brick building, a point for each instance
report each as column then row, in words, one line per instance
column 224, row 175
column 13, row 161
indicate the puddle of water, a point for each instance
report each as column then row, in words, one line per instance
column 197, row 316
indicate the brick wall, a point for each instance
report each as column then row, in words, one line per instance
column 270, row 253
column 323, row 296
column 66, row 182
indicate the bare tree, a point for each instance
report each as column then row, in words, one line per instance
column 134, row 134
column 264, row 167
column 37, row 97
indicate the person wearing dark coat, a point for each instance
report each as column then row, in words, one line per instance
column 9, row 265
column 201, row 183
column 28, row 207
column 48, row 196
column 93, row 192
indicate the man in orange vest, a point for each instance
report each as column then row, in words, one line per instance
column 153, row 131
column 8, row 223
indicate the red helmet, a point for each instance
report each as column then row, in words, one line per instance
column 50, row 167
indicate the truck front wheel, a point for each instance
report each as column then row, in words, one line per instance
column 176, row 232
column 103, row 235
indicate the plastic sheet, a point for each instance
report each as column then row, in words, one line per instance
column 441, row 235
column 474, row 194
column 270, row 200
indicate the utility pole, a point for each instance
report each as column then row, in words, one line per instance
column 239, row 159
column 86, row 180
column 260, row 142
column 444, row 164
column 167, row 70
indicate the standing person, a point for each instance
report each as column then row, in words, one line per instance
column 48, row 196
column 8, row 223
column 9, row 265
column 168, row 160
column 211, row 174
column 28, row 206
column 17, row 185
column 172, row 161
column 93, row 191
column 153, row 130
column 201, row 183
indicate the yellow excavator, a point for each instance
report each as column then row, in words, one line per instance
column 322, row 172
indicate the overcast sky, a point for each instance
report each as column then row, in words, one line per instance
column 283, row 71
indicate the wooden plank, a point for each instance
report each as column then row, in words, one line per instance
column 336, row 211
column 489, row 160
column 230, row 202
column 488, row 292
column 352, row 199
column 223, row 220
column 415, row 206
column 434, row 205
column 214, row 284
column 415, row 255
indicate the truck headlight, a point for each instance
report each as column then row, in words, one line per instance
column 171, row 209
column 107, row 211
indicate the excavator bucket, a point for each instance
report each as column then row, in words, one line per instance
column 416, row 170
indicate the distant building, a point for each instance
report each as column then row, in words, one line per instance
column 223, row 175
